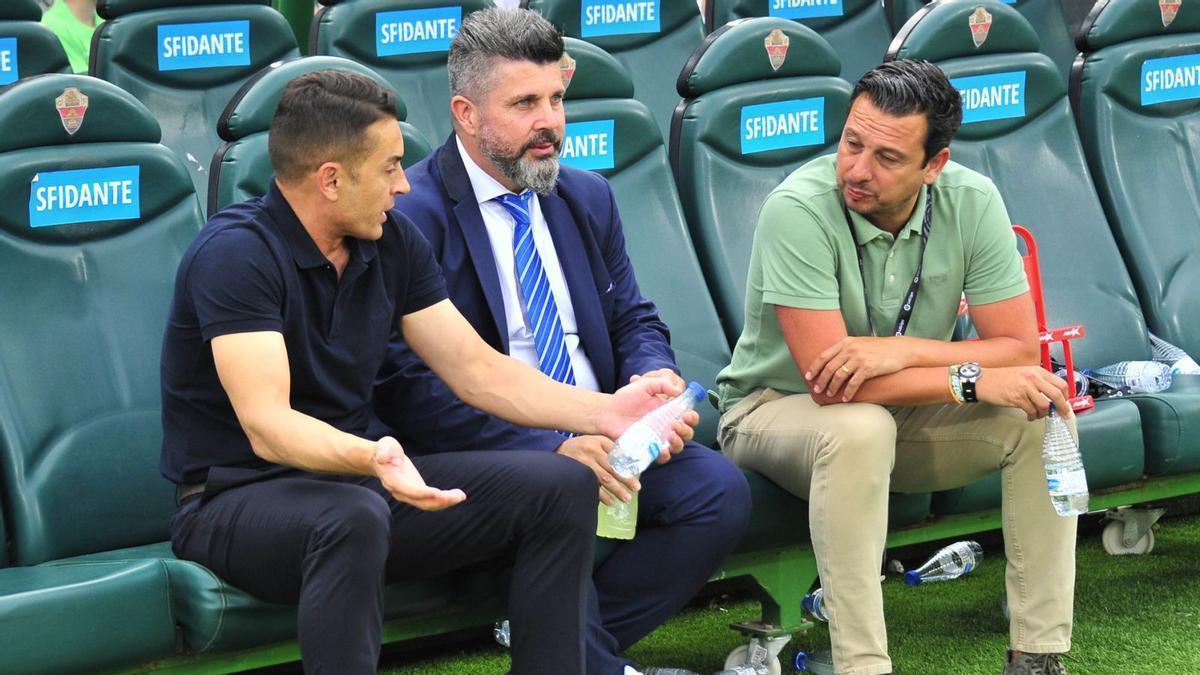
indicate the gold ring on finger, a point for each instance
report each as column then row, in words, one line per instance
column 846, row 370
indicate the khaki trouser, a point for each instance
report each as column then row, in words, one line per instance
column 845, row 458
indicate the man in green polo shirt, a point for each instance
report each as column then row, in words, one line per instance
column 74, row 21
column 845, row 384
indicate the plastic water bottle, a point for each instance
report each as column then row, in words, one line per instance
column 1142, row 377
column 502, row 634
column 645, row 439
column 814, row 603
column 951, row 562
column 1177, row 359
column 818, row 663
column 1064, row 468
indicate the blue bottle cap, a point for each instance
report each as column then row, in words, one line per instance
column 801, row 661
column 912, row 578
column 697, row 390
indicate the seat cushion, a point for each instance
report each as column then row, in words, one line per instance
column 84, row 616
column 1110, row 440
column 1171, row 427
column 781, row 519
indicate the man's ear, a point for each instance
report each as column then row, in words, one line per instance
column 933, row 168
column 328, row 178
column 465, row 115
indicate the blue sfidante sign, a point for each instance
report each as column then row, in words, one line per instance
column 806, row 9
column 783, row 124
column 85, row 196
column 9, row 72
column 589, row 145
column 598, row 18
column 997, row 96
column 1174, row 78
column 212, row 44
column 416, row 31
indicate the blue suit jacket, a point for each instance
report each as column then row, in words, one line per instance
column 618, row 328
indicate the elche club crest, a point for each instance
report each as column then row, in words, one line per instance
column 1168, row 9
column 72, row 106
column 980, row 22
column 776, row 44
column 566, row 69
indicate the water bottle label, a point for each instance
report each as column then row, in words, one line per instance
column 1066, row 484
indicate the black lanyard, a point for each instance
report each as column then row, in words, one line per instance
column 910, row 299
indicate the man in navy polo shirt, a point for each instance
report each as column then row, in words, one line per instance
column 282, row 311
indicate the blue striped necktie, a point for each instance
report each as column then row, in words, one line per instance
column 553, row 357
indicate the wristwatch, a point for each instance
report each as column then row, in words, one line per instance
column 969, row 373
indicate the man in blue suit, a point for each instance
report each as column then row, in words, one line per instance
column 534, row 257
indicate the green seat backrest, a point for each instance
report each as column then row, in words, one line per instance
column 652, row 40
column 96, row 224
column 611, row 133
column 1048, row 18
column 857, row 30
column 27, row 47
column 241, row 168
column 184, row 59
column 1018, row 130
column 745, row 123
column 1136, row 94
column 405, row 41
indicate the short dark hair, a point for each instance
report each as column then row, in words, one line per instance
column 906, row 87
column 322, row 117
column 513, row 34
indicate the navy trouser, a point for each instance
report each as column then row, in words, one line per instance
column 692, row 511
column 329, row 544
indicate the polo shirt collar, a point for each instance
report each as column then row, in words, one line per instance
column 304, row 250
column 865, row 232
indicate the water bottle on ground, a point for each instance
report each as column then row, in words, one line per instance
column 1142, row 377
column 951, row 562
column 814, row 603
column 818, row 663
column 502, row 634
column 1065, row 478
column 1177, row 359
column 645, row 439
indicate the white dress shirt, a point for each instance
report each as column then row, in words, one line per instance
column 500, row 226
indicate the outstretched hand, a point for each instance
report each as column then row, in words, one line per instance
column 400, row 478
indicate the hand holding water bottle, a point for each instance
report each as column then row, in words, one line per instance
column 684, row 427
column 649, row 438
column 1031, row 388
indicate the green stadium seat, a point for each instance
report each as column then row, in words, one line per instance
column 1050, row 19
column 405, row 41
column 1018, row 130
column 27, row 47
column 184, row 59
column 857, row 30
column 79, row 406
column 723, row 169
column 241, row 168
column 651, row 39
column 611, row 133
column 1136, row 97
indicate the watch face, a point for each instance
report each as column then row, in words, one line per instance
column 969, row 370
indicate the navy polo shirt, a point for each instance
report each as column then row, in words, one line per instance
column 255, row 268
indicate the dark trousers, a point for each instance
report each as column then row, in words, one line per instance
column 692, row 512
column 329, row 544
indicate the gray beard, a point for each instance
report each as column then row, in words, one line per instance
column 539, row 175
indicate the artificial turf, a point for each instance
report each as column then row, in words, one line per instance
column 1134, row 615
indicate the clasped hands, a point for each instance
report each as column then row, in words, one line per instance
column 851, row 361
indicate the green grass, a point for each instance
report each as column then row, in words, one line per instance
column 1134, row 615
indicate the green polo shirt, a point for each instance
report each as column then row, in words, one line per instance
column 804, row 257
column 75, row 36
